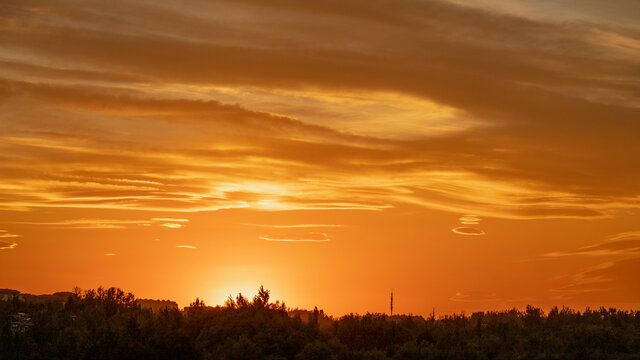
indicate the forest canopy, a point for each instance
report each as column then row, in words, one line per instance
column 111, row 324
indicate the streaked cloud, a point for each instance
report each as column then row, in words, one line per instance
column 460, row 141
column 7, row 245
column 461, row 230
column 623, row 244
column 294, row 226
column 104, row 223
column 467, row 230
column 613, row 274
column 470, row 220
column 309, row 237
column 589, row 283
column 208, row 179
column 7, row 234
column 186, row 246
column 475, row 296
column 88, row 223
column 109, row 254
column 295, row 117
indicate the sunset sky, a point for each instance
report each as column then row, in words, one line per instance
column 469, row 155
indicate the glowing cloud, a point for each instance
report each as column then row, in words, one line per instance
column 90, row 223
column 464, row 230
column 294, row 226
column 186, row 246
column 627, row 243
column 310, row 237
column 474, row 296
column 470, row 220
column 6, row 245
column 461, row 230
column 7, row 234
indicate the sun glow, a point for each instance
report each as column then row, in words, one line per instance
column 247, row 287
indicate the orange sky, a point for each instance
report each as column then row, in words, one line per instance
column 469, row 155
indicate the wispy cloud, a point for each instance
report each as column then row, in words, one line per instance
column 295, row 226
column 148, row 115
column 468, row 231
column 127, row 131
column 612, row 276
column 310, row 237
column 622, row 244
column 88, row 223
column 470, row 220
column 474, row 296
column 7, row 234
column 7, row 245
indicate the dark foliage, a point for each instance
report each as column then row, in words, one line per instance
column 108, row 324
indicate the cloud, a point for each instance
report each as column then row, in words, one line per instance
column 109, row 254
column 604, row 282
column 171, row 222
column 186, row 246
column 7, row 234
column 295, row 226
column 154, row 111
column 148, row 119
column 593, row 11
column 611, row 278
column 474, row 296
column 468, row 231
column 7, row 245
column 308, row 237
column 470, row 220
column 622, row 244
column 465, row 230
column 87, row 223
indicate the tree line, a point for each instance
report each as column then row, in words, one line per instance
column 109, row 324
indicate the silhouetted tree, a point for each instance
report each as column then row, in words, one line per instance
column 261, row 299
column 197, row 304
column 230, row 303
column 107, row 324
column 241, row 301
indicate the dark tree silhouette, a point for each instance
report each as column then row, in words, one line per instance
column 108, row 324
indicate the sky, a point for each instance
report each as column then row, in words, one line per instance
column 466, row 155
